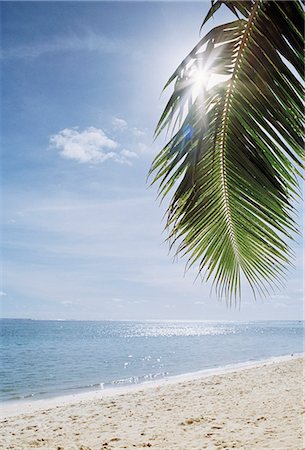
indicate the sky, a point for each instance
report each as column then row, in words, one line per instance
column 82, row 232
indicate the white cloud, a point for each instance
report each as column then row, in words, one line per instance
column 137, row 132
column 2, row 294
column 89, row 146
column 128, row 154
column 119, row 124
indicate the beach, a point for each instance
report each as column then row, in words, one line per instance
column 257, row 407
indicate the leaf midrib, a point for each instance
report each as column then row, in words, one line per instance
column 225, row 120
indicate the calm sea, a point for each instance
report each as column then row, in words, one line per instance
column 49, row 358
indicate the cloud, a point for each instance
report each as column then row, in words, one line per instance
column 117, row 300
column 2, row 294
column 119, row 124
column 137, row 132
column 89, row 146
column 93, row 145
column 88, row 41
column 144, row 149
column 128, row 154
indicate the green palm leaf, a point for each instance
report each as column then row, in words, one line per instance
column 237, row 149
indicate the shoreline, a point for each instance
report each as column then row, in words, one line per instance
column 251, row 408
column 12, row 408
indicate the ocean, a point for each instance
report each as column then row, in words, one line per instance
column 42, row 359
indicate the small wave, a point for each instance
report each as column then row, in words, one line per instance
column 12, row 398
column 83, row 387
column 138, row 379
column 90, row 387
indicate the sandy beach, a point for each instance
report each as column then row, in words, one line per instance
column 249, row 408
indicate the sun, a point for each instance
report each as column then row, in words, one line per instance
column 199, row 78
column 202, row 79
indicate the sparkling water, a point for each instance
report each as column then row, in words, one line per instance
column 49, row 358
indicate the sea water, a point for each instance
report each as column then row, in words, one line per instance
column 50, row 358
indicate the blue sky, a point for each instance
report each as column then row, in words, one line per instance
column 82, row 232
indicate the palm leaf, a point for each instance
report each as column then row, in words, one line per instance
column 235, row 156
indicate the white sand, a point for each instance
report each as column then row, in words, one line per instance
column 252, row 408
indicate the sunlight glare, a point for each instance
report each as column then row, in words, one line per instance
column 204, row 79
column 200, row 80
